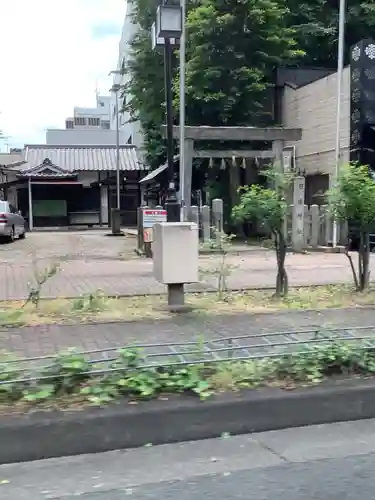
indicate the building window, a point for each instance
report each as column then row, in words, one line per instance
column 101, row 104
column 130, row 140
column 94, row 122
column 69, row 124
column 106, row 124
column 79, row 120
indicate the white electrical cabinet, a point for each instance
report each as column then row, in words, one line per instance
column 175, row 251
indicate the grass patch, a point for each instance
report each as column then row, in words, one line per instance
column 100, row 308
column 70, row 379
column 11, row 317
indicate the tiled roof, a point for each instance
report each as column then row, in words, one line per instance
column 45, row 175
column 152, row 175
column 7, row 159
column 46, row 170
column 79, row 158
column 12, row 166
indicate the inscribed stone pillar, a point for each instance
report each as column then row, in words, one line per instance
column 193, row 214
column 206, row 222
column 217, row 214
column 298, row 214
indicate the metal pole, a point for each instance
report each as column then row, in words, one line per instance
column 176, row 295
column 340, row 70
column 182, row 108
column 172, row 205
column 117, row 153
column 30, row 193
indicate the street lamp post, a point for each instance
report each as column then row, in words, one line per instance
column 184, row 202
column 172, row 204
column 340, row 70
column 116, row 215
column 169, row 26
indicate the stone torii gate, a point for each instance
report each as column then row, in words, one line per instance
column 278, row 136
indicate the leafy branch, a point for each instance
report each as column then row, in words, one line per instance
column 268, row 207
column 221, row 242
column 40, row 278
column 352, row 200
column 74, row 378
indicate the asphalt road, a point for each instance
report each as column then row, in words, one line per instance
column 328, row 462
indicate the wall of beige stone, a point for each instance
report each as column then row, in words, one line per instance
column 313, row 108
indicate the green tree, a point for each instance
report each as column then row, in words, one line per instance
column 268, row 206
column 232, row 48
column 145, row 87
column 352, row 200
column 317, row 21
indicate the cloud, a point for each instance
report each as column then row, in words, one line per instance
column 52, row 54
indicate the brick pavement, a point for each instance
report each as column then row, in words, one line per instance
column 92, row 261
column 118, row 277
column 44, row 340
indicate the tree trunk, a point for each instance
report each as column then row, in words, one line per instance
column 282, row 277
column 364, row 261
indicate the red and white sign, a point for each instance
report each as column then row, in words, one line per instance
column 153, row 216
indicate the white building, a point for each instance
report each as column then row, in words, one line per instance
column 89, row 118
column 62, row 186
column 313, row 108
column 87, row 126
column 132, row 131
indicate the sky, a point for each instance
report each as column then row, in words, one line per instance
column 53, row 54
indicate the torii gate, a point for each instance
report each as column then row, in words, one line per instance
column 277, row 135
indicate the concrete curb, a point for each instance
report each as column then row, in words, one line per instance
column 42, row 435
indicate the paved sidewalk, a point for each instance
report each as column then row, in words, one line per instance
column 253, row 270
column 44, row 340
column 91, row 261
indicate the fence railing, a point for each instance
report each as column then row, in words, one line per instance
column 317, row 226
column 210, row 219
column 240, row 348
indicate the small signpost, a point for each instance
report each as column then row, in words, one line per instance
column 150, row 217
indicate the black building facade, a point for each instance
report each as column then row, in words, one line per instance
column 362, row 103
